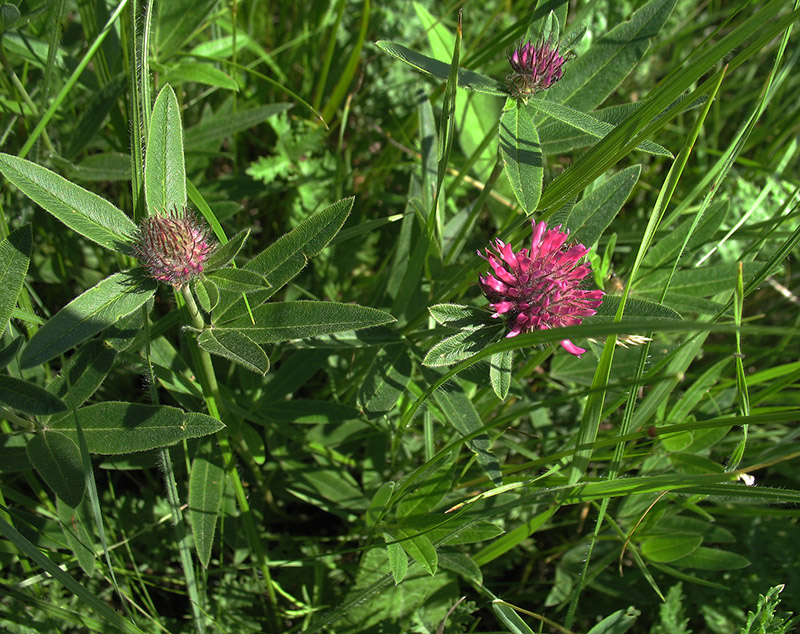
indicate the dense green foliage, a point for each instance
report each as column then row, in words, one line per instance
column 325, row 430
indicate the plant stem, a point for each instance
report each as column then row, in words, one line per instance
column 211, row 394
column 181, row 530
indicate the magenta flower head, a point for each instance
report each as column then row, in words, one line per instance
column 538, row 289
column 535, row 67
column 173, row 246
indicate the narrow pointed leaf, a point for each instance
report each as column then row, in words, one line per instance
column 225, row 253
column 82, row 211
column 238, row 280
column 206, row 486
column 522, row 156
column 236, row 346
column 91, row 312
column 164, row 170
column 83, row 373
column 28, row 397
column 587, row 123
column 15, row 256
column 115, row 427
column 288, row 255
column 294, row 320
column 58, row 460
column 500, row 365
column 590, row 78
column 76, row 524
column 441, row 70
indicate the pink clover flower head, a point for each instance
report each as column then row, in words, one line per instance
column 173, row 246
column 540, row 288
column 535, row 67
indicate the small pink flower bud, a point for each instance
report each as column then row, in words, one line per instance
column 173, row 246
column 538, row 289
column 535, row 67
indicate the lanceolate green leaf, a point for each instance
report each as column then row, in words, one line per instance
column 289, row 254
column 164, row 170
column 441, row 70
column 96, row 309
column 284, row 321
column 115, row 427
column 500, row 366
column 82, row 211
column 236, row 346
column 224, row 254
column 589, row 218
column 522, row 156
column 28, row 397
column 590, row 78
column 212, row 132
column 15, row 256
column 206, row 486
column 58, row 460
column 587, row 123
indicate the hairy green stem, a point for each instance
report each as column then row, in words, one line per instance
column 211, row 394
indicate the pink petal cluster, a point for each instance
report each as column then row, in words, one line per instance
column 535, row 66
column 173, row 247
column 538, row 289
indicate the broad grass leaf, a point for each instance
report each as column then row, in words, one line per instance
column 235, row 346
column 589, row 124
column 82, row 211
column 28, row 397
column 15, row 256
column 76, row 523
column 500, row 365
column 590, row 78
column 284, row 321
column 200, row 73
column 705, row 558
column 288, row 255
column 522, row 156
column 591, row 215
column 115, row 427
column 385, row 382
column 668, row 245
column 164, row 169
column 58, row 460
column 211, row 132
column 91, row 312
column 175, row 22
column 441, row 70
column 94, row 115
column 330, row 489
column 206, row 486
column 667, row 548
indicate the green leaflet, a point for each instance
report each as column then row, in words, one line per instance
column 91, row 312
column 164, row 169
column 15, row 256
column 82, row 211
column 116, row 427
column 522, row 156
